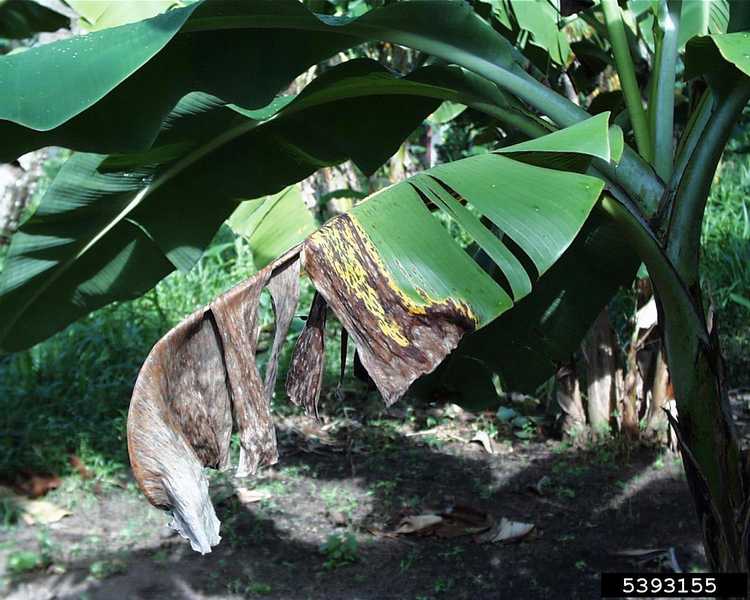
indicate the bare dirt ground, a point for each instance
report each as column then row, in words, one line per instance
column 595, row 508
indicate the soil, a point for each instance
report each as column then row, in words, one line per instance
column 595, row 508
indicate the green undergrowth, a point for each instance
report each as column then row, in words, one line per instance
column 725, row 262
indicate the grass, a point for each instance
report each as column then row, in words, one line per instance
column 725, row 262
column 339, row 550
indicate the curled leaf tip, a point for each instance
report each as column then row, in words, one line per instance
column 196, row 381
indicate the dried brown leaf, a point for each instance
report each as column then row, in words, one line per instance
column 460, row 520
column 305, row 377
column 195, row 380
column 505, row 531
column 483, row 438
column 418, row 524
column 246, row 496
column 33, row 512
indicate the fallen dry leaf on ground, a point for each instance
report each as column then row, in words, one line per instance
column 461, row 520
column 33, row 512
column 246, row 496
column 42, row 512
column 456, row 521
column 418, row 523
column 483, row 438
column 505, row 531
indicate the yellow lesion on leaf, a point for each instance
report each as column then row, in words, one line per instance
column 340, row 242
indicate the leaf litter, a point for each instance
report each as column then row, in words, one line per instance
column 461, row 520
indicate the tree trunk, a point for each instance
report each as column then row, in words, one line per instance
column 600, row 350
column 568, row 395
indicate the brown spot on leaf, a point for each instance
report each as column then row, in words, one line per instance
column 397, row 339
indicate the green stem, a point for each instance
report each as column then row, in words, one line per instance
column 628, row 82
column 661, row 101
column 636, row 178
column 689, row 140
column 692, row 135
column 683, row 237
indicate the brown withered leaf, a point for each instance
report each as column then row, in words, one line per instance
column 34, row 485
column 483, row 438
column 422, row 524
column 506, row 531
column 284, row 290
column 396, row 341
column 305, row 377
column 459, row 520
column 246, row 496
column 195, row 379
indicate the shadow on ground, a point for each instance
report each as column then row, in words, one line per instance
column 597, row 501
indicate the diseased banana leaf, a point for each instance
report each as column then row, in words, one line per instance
column 403, row 288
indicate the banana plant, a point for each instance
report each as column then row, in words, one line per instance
column 558, row 222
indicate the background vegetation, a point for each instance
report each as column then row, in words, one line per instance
column 69, row 394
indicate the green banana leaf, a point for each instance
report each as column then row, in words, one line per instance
column 525, row 346
column 701, row 18
column 203, row 47
column 274, row 224
column 208, row 157
column 705, row 52
column 540, row 18
column 101, row 14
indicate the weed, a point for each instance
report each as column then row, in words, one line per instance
column 443, row 584
column 241, row 588
column 10, row 512
column 23, row 561
column 160, row 556
column 453, row 552
column 260, row 589
column 340, row 550
column 408, row 562
column 385, row 487
column 102, row 569
column 725, row 254
column 339, row 500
